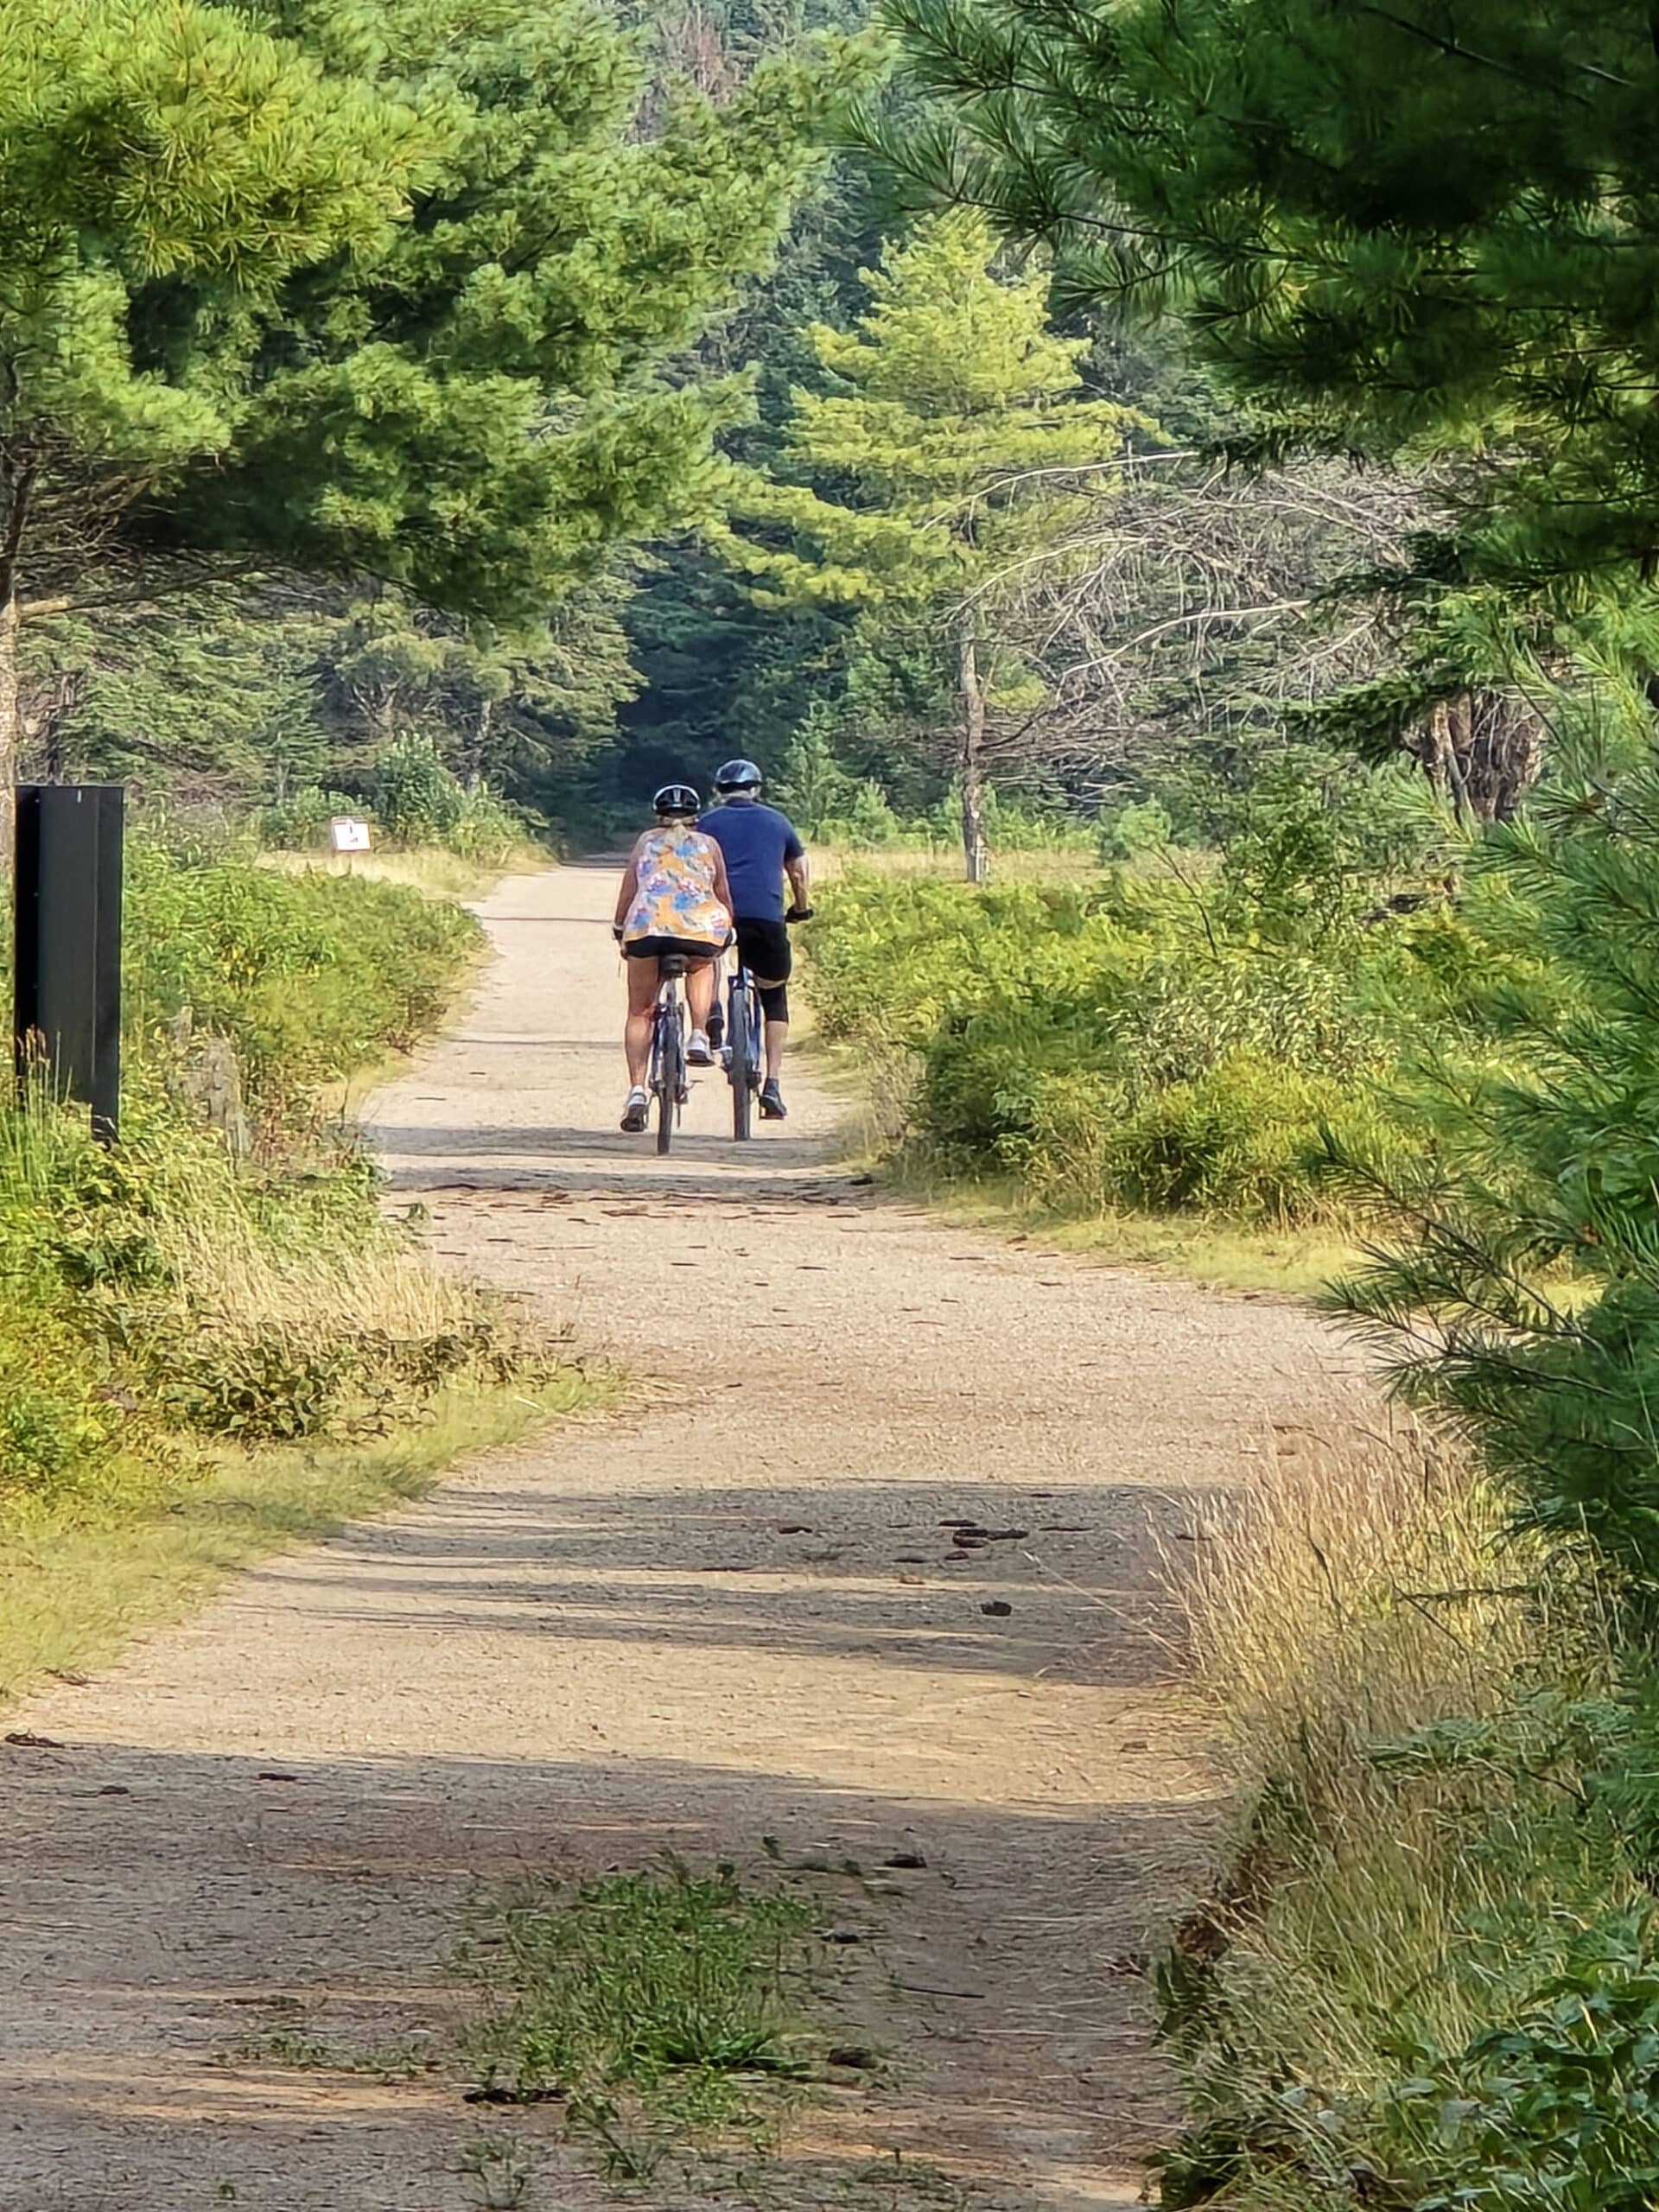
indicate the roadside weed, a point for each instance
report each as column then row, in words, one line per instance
column 656, row 2003
column 501, row 2171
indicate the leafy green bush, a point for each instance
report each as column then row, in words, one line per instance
column 1558, row 2111
column 1142, row 825
column 301, row 824
column 155, row 1292
column 1128, row 1046
column 310, row 977
column 417, row 800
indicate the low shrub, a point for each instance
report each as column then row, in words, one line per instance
column 160, row 1291
column 308, row 976
column 1112, row 1048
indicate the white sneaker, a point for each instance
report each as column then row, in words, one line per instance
column 697, row 1052
column 636, row 1114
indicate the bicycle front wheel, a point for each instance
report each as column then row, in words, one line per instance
column 742, row 1040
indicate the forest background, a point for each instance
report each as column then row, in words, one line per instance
column 1139, row 455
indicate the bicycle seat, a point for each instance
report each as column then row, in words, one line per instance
column 674, row 963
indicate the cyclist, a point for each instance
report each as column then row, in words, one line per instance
column 674, row 898
column 762, row 849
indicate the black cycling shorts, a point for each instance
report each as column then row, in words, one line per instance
column 664, row 948
column 765, row 950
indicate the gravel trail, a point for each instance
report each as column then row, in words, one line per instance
column 735, row 1611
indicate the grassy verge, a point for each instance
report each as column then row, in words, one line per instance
column 1289, row 1262
column 213, row 1340
column 79, row 1584
column 429, row 869
column 1422, row 1975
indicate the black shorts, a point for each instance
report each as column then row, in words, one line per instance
column 664, row 948
column 765, row 950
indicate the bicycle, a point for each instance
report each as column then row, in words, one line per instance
column 745, row 1046
column 668, row 1083
column 745, row 1049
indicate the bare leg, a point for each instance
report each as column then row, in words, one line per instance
column 700, row 979
column 776, row 1035
column 642, row 1001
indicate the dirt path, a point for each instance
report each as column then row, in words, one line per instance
column 732, row 1613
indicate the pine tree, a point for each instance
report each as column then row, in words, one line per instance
column 357, row 286
column 1526, row 1298
column 954, row 449
column 1427, row 228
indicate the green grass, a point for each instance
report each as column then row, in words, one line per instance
column 657, row 2005
column 1290, row 1263
column 429, row 869
column 80, row 1585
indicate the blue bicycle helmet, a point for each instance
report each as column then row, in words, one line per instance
column 738, row 776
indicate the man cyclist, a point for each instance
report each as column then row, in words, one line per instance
column 763, row 849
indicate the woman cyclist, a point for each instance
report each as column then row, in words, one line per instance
column 674, row 898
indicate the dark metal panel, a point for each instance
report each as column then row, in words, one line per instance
column 68, row 889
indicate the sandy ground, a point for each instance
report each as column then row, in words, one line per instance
column 733, row 1611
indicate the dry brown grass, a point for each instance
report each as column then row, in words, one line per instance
column 433, row 872
column 1361, row 1585
column 1365, row 1588
column 380, row 1285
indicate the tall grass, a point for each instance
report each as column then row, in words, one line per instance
column 1403, row 1697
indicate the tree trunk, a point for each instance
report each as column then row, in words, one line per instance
column 975, row 849
column 1485, row 750
column 11, row 728
column 16, row 482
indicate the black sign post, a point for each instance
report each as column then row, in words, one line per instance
column 67, row 1015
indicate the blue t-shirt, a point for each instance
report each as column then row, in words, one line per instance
column 756, row 839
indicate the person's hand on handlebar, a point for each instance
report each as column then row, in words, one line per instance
column 798, row 914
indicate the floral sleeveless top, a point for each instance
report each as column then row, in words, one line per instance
column 674, row 889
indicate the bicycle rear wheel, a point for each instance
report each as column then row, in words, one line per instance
column 670, row 1071
column 740, row 1038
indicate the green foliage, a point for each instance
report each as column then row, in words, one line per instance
column 1139, row 826
column 1334, row 252
column 310, row 977
column 951, row 411
column 1542, row 1161
column 301, row 824
column 154, row 1294
column 669, row 1991
column 949, row 443
column 483, row 233
column 1149, row 1044
column 1557, row 2113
